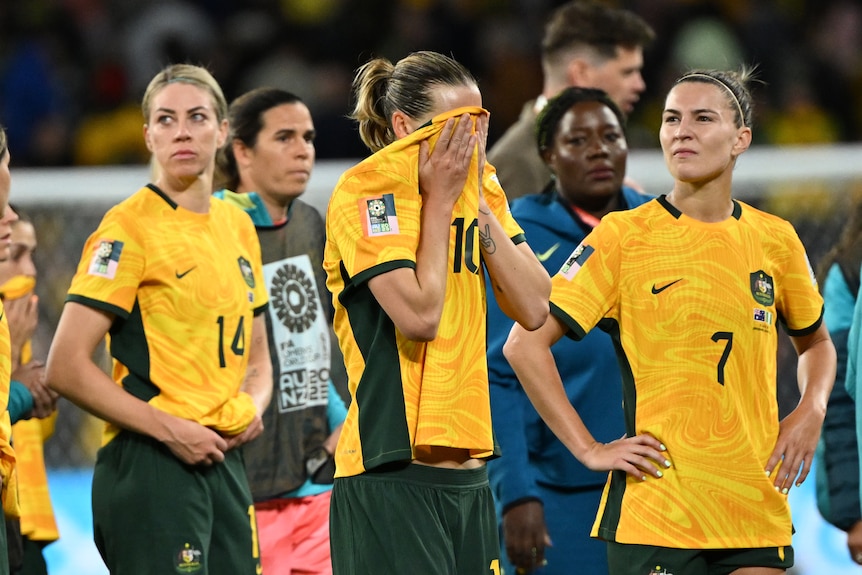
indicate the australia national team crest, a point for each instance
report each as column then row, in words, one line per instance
column 106, row 259
column 247, row 273
column 762, row 288
column 189, row 559
column 378, row 215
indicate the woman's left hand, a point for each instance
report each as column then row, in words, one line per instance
column 790, row 461
column 254, row 429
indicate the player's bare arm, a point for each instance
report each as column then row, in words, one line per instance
column 529, row 353
column 800, row 430
column 520, row 283
column 71, row 372
column 257, row 382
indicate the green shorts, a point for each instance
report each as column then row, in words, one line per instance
column 34, row 559
column 154, row 515
column 626, row 559
column 4, row 549
column 414, row 519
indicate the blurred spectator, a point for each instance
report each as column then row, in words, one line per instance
column 585, row 44
column 111, row 132
column 799, row 119
column 706, row 42
column 168, row 31
column 59, row 60
column 836, row 39
column 33, row 104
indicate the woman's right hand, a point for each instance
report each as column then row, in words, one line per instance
column 638, row 456
column 526, row 536
column 443, row 171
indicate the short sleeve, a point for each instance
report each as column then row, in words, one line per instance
column 499, row 204
column 374, row 221
column 252, row 242
column 586, row 288
column 111, row 267
column 797, row 298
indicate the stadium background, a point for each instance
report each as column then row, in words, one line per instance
column 72, row 73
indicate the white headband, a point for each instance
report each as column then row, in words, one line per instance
column 723, row 85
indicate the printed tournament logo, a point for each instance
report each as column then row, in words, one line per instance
column 576, row 261
column 378, row 215
column 294, row 298
column 106, row 258
column 245, row 270
column 761, row 288
column 189, row 559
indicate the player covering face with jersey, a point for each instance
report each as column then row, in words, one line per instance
column 407, row 273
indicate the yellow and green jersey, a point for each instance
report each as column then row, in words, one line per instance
column 693, row 309
column 9, row 492
column 184, row 288
column 28, row 437
column 409, row 394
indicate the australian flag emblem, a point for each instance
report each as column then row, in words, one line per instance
column 763, row 316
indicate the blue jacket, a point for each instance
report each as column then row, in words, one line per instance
column 531, row 453
column 837, row 471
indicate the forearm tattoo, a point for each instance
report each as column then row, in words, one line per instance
column 487, row 241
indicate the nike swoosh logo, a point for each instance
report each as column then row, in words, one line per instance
column 545, row 255
column 656, row 290
column 185, row 273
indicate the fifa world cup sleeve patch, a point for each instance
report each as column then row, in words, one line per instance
column 378, row 216
column 106, row 258
column 576, row 261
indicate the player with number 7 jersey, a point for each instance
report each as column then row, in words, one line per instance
column 693, row 308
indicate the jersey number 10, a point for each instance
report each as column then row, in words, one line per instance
column 465, row 244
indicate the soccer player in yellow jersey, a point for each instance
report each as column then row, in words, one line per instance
column 8, row 488
column 173, row 276
column 37, row 527
column 691, row 286
column 411, row 232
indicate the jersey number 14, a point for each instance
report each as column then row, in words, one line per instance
column 237, row 345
